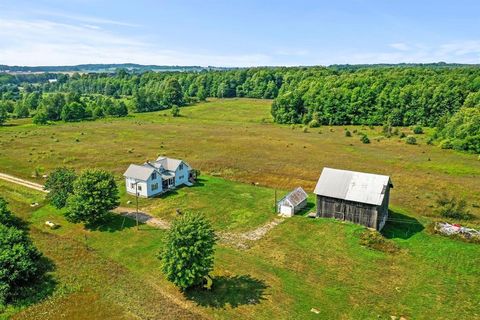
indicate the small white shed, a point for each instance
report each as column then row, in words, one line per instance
column 292, row 202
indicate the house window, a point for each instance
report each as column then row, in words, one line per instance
column 154, row 175
column 181, row 166
column 132, row 185
column 154, row 186
column 181, row 177
column 139, row 188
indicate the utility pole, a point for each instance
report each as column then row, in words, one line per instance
column 136, row 198
column 275, row 204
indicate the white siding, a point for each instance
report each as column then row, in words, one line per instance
column 144, row 187
column 181, row 175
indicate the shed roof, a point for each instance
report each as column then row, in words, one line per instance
column 296, row 196
column 138, row 172
column 352, row 186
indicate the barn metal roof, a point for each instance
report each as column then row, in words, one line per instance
column 138, row 172
column 352, row 186
column 295, row 197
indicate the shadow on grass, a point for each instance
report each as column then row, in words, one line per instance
column 112, row 223
column 401, row 226
column 310, row 205
column 39, row 290
column 199, row 183
column 230, row 290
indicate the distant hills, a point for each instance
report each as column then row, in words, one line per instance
column 139, row 68
column 108, row 68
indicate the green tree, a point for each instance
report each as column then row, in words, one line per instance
column 463, row 130
column 60, row 185
column 32, row 100
column 40, row 117
column 189, row 250
column 21, row 110
column 173, row 94
column 6, row 216
column 94, row 194
column 3, row 114
column 73, row 111
column 20, row 262
column 53, row 105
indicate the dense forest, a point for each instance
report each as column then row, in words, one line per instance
column 402, row 95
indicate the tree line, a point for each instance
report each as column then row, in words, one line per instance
column 402, row 95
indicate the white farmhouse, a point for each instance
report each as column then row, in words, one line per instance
column 153, row 178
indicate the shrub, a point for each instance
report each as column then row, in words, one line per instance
column 387, row 130
column 305, row 130
column 60, row 184
column 450, row 207
column 365, row 139
column 417, row 130
column 175, row 111
column 374, row 239
column 348, row 133
column 94, row 194
column 402, row 135
column 189, row 251
column 20, row 262
column 314, row 124
column 446, row 144
column 411, row 140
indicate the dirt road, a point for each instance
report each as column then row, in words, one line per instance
column 22, row 182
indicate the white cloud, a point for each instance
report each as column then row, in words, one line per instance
column 94, row 40
column 45, row 42
column 455, row 52
column 400, row 46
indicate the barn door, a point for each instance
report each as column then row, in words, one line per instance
column 339, row 210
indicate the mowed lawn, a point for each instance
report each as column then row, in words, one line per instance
column 227, row 204
column 235, row 139
column 113, row 272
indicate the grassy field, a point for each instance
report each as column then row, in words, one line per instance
column 235, row 139
column 110, row 272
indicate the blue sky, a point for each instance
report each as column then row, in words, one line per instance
column 238, row 33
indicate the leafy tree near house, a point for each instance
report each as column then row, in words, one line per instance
column 60, row 185
column 20, row 262
column 94, row 194
column 189, row 251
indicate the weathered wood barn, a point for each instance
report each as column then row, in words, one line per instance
column 358, row 197
column 292, row 202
